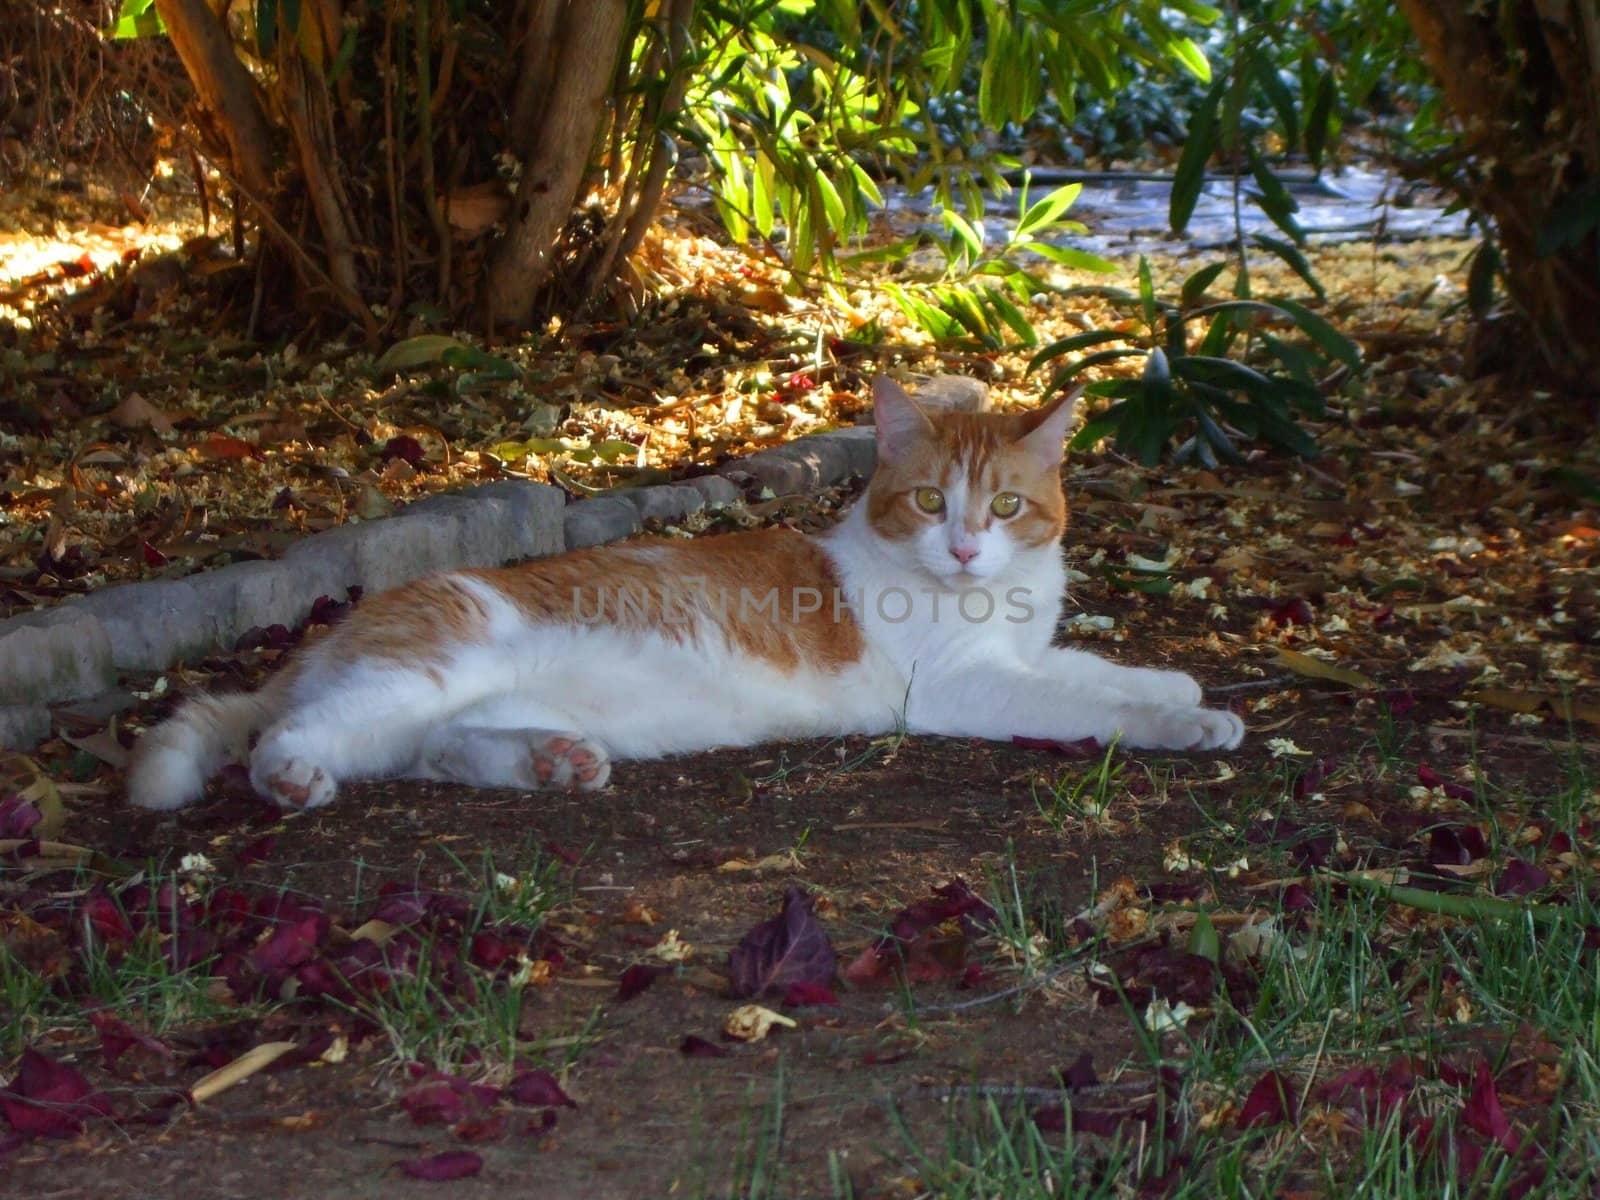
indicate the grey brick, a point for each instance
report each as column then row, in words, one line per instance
column 501, row 521
column 23, row 726
column 277, row 593
column 826, row 462
column 538, row 512
column 785, row 476
column 598, row 520
column 665, row 502
column 153, row 625
column 860, row 445
column 715, row 490
column 957, row 393
column 55, row 654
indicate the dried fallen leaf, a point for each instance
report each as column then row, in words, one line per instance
column 752, row 1023
column 135, row 412
column 240, row 1069
column 1313, row 668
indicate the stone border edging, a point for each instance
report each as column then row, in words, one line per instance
column 76, row 650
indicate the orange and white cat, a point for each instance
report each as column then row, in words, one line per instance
column 931, row 606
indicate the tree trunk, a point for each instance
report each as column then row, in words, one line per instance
column 589, row 37
column 1523, row 79
column 225, row 91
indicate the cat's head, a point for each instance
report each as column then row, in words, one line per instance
column 961, row 495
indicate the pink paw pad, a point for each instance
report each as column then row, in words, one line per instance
column 562, row 761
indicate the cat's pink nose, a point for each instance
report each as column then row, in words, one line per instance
column 964, row 554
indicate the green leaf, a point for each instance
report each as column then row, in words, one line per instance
column 1481, row 276
column 1295, row 259
column 1147, row 293
column 1047, row 211
column 1569, row 222
column 1077, row 341
column 1203, row 939
column 1323, row 334
column 136, row 19
column 1012, row 316
column 1320, row 119
column 1278, row 96
column 1195, row 286
column 1066, row 256
column 1190, row 176
column 266, row 27
column 1275, row 199
column 416, row 351
column 1074, row 343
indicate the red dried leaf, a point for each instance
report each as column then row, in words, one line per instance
column 1084, row 748
column 50, row 1099
column 697, row 1047
column 437, row 1168
column 1271, row 1102
column 406, row 448
column 787, row 949
column 1429, row 778
column 290, row 945
column 117, row 1037
column 538, row 1088
column 152, row 556
column 809, row 995
column 221, row 446
column 1483, row 1114
column 17, row 816
column 1520, row 878
column 1081, row 1073
column 257, row 850
column 482, row 1129
column 436, row 1104
column 638, row 978
column 1456, row 845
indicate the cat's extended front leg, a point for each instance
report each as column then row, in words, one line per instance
column 1149, row 684
column 1069, row 701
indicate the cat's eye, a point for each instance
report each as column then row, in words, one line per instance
column 929, row 500
column 1005, row 504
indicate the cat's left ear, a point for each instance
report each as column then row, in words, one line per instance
column 1046, row 429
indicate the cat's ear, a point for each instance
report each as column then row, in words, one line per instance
column 1046, row 429
column 899, row 420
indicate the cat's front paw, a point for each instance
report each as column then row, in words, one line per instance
column 1159, row 727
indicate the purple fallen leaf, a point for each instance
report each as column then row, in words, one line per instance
column 1271, row 1102
column 1429, row 778
column 117, row 1037
column 49, row 1098
column 809, row 995
column 1297, row 898
column 1081, row 750
column 289, row 945
column 1081, row 1073
column 17, row 816
column 539, row 1089
column 257, row 850
column 696, row 1046
column 953, row 899
column 638, row 978
column 406, row 448
column 436, row 1104
column 482, row 1129
column 1520, row 878
column 784, row 950
column 437, row 1168
column 1456, row 845
column 1483, row 1114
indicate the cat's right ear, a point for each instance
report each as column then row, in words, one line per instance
column 899, row 420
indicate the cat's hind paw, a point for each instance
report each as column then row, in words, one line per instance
column 569, row 761
column 291, row 782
